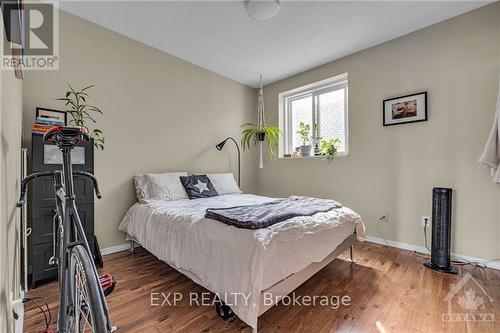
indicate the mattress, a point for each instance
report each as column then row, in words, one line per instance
column 230, row 261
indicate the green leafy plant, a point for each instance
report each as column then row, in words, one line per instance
column 82, row 113
column 329, row 148
column 304, row 132
column 251, row 135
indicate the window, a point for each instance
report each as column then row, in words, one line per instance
column 322, row 106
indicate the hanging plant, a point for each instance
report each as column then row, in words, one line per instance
column 251, row 135
column 82, row 113
column 260, row 132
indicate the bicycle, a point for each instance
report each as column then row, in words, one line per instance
column 82, row 302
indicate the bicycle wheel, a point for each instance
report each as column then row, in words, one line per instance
column 88, row 313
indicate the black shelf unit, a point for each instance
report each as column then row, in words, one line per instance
column 42, row 204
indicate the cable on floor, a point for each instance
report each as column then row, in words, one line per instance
column 457, row 261
column 378, row 229
column 46, row 314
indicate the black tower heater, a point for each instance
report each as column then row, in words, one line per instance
column 441, row 231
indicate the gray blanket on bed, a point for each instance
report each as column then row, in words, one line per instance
column 264, row 215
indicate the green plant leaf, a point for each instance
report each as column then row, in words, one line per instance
column 88, row 87
column 82, row 113
column 329, row 148
column 98, row 145
column 94, row 108
column 247, row 135
column 89, row 118
column 71, row 88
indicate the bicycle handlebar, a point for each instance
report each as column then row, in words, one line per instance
column 24, row 183
column 93, row 178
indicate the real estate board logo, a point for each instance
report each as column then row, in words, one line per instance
column 31, row 35
column 468, row 304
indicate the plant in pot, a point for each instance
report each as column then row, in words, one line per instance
column 82, row 113
column 252, row 134
column 305, row 135
column 329, row 148
column 317, row 140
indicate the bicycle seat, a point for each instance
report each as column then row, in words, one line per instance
column 66, row 137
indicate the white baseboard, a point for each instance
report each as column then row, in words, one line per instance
column 421, row 249
column 399, row 245
column 116, row 248
column 19, row 322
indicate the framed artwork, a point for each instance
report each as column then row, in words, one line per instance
column 405, row 109
column 13, row 19
column 51, row 117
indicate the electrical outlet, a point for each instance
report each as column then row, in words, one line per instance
column 424, row 219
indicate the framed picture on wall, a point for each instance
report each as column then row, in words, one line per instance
column 405, row 109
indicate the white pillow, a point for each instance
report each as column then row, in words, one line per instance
column 160, row 186
column 224, row 183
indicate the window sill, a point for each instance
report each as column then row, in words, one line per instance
column 310, row 157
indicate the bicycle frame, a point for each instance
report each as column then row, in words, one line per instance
column 68, row 232
column 66, row 208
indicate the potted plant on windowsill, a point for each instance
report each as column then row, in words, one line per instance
column 316, row 139
column 83, row 113
column 329, row 148
column 305, row 135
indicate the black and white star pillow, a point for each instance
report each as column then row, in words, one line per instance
column 198, row 186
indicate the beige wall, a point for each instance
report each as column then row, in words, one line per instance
column 393, row 169
column 160, row 113
column 10, row 152
column 182, row 110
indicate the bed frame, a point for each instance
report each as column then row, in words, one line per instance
column 293, row 281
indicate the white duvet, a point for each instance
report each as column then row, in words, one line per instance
column 230, row 261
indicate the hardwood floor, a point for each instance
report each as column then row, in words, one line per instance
column 390, row 291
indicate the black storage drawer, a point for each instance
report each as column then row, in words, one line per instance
column 42, row 203
column 41, row 162
column 86, row 213
column 44, row 195
column 42, row 225
column 41, row 267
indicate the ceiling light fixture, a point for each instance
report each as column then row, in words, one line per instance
column 262, row 10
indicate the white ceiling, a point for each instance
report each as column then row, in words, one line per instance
column 219, row 36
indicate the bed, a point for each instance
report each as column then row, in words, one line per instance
column 241, row 265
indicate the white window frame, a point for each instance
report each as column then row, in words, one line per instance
column 313, row 89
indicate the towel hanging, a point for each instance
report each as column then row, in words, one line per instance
column 491, row 153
